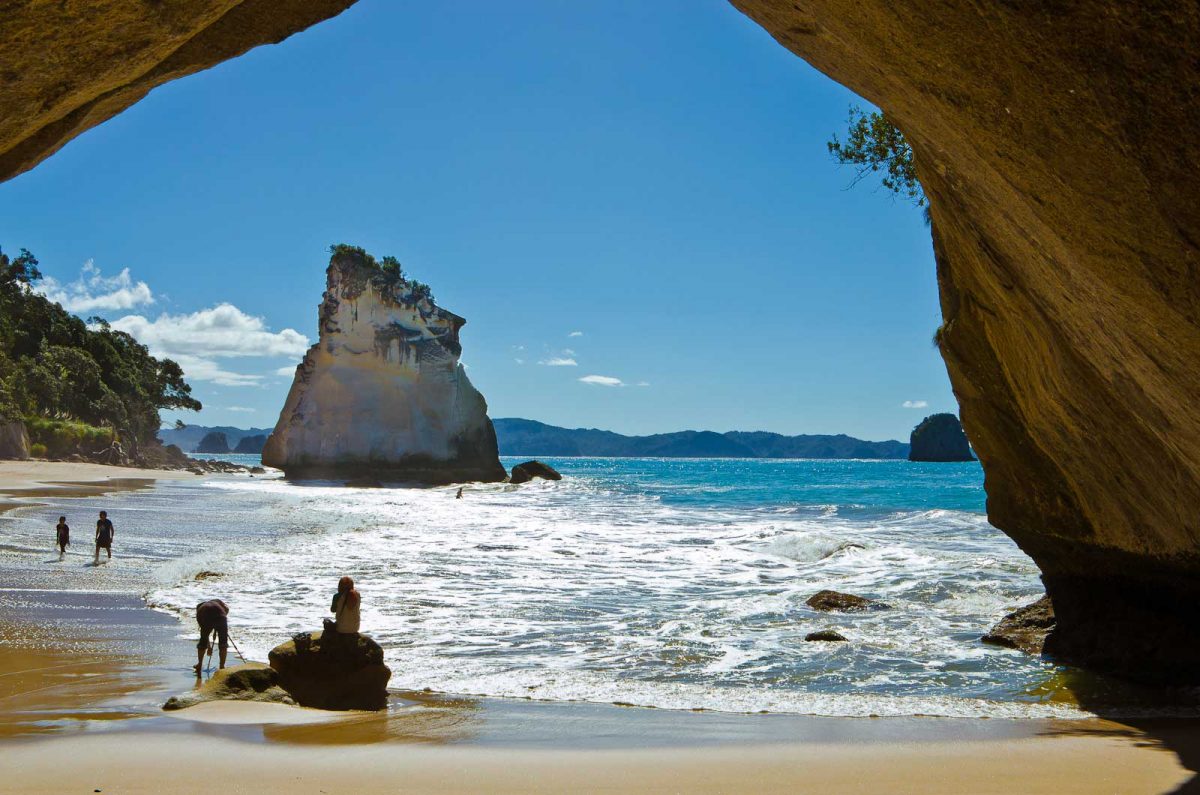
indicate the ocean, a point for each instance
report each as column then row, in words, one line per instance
column 670, row 583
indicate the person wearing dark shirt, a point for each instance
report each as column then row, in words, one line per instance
column 104, row 535
column 212, row 616
column 62, row 537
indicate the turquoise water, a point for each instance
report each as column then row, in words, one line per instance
column 673, row 583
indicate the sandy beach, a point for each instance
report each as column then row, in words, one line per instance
column 84, row 670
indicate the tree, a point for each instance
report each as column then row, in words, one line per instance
column 875, row 145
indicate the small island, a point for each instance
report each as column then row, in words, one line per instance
column 939, row 437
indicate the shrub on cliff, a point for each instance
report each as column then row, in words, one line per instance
column 387, row 274
column 875, row 145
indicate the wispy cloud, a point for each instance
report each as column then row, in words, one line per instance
column 241, row 409
column 559, row 361
column 286, row 372
column 519, row 361
column 575, row 334
column 199, row 339
column 915, row 404
column 602, row 380
column 93, row 291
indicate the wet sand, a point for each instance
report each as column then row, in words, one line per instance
column 84, row 670
column 24, row 483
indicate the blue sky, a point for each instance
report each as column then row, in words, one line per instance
column 641, row 188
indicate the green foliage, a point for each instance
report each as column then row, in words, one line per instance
column 54, row 367
column 387, row 274
column 875, row 145
column 63, row 437
column 37, row 450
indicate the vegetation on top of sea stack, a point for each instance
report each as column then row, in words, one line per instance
column 72, row 381
column 875, row 144
column 386, row 274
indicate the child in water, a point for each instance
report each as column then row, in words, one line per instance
column 62, row 537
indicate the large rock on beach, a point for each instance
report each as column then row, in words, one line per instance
column 333, row 671
column 523, row 473
column 14, row 440
column 382, row 394
column 939, row 437
column 1025, row 629
column 248, row 682
column 837, row 602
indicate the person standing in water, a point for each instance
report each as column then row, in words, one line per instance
column 212, row 616
column 459, row 495
column 345, row 607
column 62, row 536
column 104, row 535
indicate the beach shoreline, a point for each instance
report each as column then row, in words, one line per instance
column 70, row 684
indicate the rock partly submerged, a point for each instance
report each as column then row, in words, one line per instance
column 527, row 471
column 939, row 437
column 1025, row 629
column 382, row 394
column 330, row 670
column 837, row 602
column 825, row 636
column 248, row 682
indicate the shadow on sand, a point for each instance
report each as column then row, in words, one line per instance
column 1114, row 700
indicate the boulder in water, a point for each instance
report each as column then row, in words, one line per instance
column 523, row 473
column 1025, row 629
column 330, row 670
column 249, row 682
column 826, row 635
column 835, row 601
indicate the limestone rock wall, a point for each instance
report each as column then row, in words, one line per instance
column 67, row 66
column 1056, row 143
column 382, row 394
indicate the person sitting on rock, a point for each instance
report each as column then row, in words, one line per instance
column 212, row 616
column 345, row 608
column 62, row 536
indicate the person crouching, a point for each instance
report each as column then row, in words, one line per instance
column 212, row 616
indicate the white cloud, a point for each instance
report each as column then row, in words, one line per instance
column 93, row 291
column 643, row 383
column 241, row 409
column 519, row 361
column 286, row 372
column 223, row 331
column 602, row 380
column 915, row 404
column 575, row 334
column 197, row 368
column 559, row 361
column 197, row 340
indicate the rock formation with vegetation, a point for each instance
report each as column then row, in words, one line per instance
column 382, row 394
column 939, row 437
column 213, row 442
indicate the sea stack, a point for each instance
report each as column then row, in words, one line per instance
column 939, row 437
column 382, row 393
